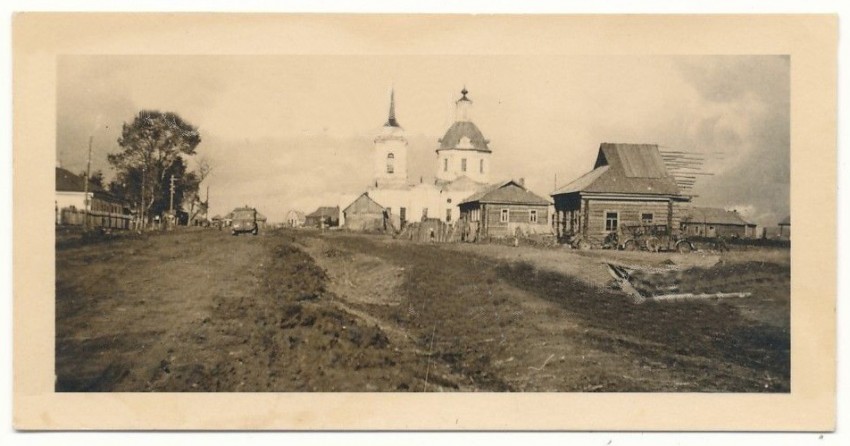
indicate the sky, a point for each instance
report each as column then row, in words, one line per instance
column 295, row 132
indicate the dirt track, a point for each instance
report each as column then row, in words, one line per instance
column 304, row 311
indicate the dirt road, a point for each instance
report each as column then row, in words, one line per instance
column 308, row 311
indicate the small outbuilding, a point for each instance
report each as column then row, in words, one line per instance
column 716, row 222
column 365, row 214
column 504, row 209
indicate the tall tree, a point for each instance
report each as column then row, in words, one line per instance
column 153, row 148
column 193, row 203
column 96, row 179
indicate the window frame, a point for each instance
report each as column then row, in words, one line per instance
column 463, row 164
column 605, row 220
column 505, row 215
column 391, row 163
column 532, row 216
column 651, row 218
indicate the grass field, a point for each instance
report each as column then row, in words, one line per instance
column 309, row 311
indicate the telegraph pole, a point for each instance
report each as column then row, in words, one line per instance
column 86, row 187
column 171, row 198
column 143, row 211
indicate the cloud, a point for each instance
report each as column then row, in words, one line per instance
column 295, row 132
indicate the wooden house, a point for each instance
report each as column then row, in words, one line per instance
column 504, row 209
column 716, row 222
column 365, row 214
column 629, row 186
column 323, row 217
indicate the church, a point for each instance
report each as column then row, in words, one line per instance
column 462, row 169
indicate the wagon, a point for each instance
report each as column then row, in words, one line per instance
column 651, row 238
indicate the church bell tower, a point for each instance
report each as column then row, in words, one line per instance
column 390, row 163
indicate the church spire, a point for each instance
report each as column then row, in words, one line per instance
column 391, row 122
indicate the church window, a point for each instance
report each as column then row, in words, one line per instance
column 445, row 164
column 390, row 163
column 481, row 166
column 505, row 216
column 448, row 215
column 424, row 213
column 463, row 164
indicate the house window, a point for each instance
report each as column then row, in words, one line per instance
column 481, row 166
column 390, row 163
column 646, row 219
column 448, row 215
column 445, row 164
column 612, row 220
column 463, row 164
column 532, row 216
column 505, row 216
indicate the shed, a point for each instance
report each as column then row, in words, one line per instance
column 365, row 214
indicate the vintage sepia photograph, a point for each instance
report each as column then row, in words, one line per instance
column 422, row 224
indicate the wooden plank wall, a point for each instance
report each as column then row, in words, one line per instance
column 629, row 214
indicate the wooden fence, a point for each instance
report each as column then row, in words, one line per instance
column 96, row 219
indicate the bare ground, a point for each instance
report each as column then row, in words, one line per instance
column 309, row 311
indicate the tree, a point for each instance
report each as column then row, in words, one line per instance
column 153, row 146
column 195, row 204
column 96, row 179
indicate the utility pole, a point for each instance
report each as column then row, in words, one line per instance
column 86, row 187
column 143, row 211
column 171, row 198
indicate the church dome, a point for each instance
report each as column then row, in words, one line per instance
column 464, row 135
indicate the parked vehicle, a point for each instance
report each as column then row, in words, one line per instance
column 244, row 220
column 651, row 238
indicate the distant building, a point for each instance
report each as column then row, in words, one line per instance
column 785, row 228
column 505, row 209
column 716, row 222
column 323, row 217
column 104, row 210
column 629, row 186
column 295, row 219
column 364, row 214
